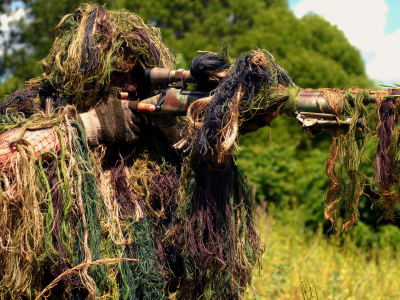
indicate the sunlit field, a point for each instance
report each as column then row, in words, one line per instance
column 340, row 269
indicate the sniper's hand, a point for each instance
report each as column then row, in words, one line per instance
column 142, row 107
column 270, row 117
column 257, row 122
column 115, row 121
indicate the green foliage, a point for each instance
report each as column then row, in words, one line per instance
column 315, row 53
column 36, row 33
column 293, row 176
column 12, row 84
column 308, row 289
column 294, row 173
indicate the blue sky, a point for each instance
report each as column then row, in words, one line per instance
column 370, row 25
column 393, row 21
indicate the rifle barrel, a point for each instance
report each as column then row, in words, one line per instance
column 313, row 101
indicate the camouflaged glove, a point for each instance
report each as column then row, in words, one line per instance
column 257, row 122
column 114, row 121
column 252, row 125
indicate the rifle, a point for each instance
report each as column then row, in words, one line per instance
column 313, row 111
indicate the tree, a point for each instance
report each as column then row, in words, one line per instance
column 314, row 52
column 31, row 40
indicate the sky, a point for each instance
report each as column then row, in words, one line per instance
column 5, row 20
column 373, row 26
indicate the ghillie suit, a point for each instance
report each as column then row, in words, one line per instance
column 132, row 217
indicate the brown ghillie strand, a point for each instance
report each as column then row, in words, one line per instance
column 332, row 175
column 228, row 134
column 89, row 52
column 112, row 224
column 122, row 192
column 218, row 237
column 162, row 207
column 335, row 99
column 76, row 270
column 383, row 170
column 140, row 174
column 162, row 189
column 21, row 255
column 23, row 101
column 195, row 116
column 386, row 163
column 209, row 196
column 61, row 262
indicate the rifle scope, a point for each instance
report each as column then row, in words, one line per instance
column 165, row 76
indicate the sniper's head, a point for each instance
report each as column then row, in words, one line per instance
column 130, row 83
column 98, row 51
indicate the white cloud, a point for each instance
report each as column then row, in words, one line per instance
column 5, row 19
column 363, row 22
column 385, row 66
column 6, row 22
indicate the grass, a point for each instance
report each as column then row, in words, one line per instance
column 338, row 268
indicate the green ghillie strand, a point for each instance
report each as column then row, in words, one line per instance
column 290, row 106
column 11, row 120
column 93, row 42
column 66, row 238
column 23, row 223
column 345, row 170
column 142, row 279
column 50, row 251
column 91, row 209
column 27, row 220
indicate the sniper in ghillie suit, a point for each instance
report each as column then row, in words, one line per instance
column 118, row 177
